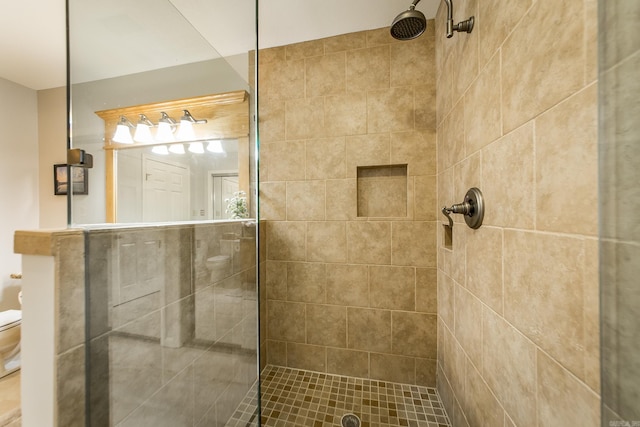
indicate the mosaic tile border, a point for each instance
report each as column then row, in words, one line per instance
column 294, row 397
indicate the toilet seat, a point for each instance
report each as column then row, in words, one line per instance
column 10, row 319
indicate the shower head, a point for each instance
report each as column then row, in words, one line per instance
column 409, row 24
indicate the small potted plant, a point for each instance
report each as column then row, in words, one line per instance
column 237, row 205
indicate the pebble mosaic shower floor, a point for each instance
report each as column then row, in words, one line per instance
column 293, row 397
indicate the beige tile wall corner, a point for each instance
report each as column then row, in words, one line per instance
column 346, row 294
column 518, row 298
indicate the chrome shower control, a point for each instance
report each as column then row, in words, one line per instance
column 472, row 208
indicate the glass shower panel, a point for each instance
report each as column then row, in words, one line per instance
column 172, row 323
column 171, row 306
column 619, row 145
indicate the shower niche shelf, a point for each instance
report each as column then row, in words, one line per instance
column 382, row 191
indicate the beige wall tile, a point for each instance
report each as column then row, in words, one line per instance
column 304, row 50
column 508, row 180
column 480, row 405
column 369, row 150
column 277, row 352
column 465, row 51
column 286, row 241
column 414, row 334
column 348, row 285
column 424, row 198
column 369, row 329
column 425, row 105
column 345, row 114
column 468, row 324
column 344, row 42
column 281, row 79
column 352, row 363
column 484, row 266
column 306, row 281
column 411, row 61
column 305, row 200
column 392, row 368
column 286, row 164
column 326, row 158
column 562, row 399
column 414, row 243
column 544, row 288
column 304, row 356
column 273, row 201
column 304, row 118
column 591, row 40
column 446, row 299
column 482, row 112
column 536, row 76
column 368, row 69
column 392, row 287
column 325, row 75
column 505, row 347
column 271, row 120
column 451, row 147
column 501, row 19
column 468, row 174
column 286, row 321
column 327, row 325
column 327, row 241
column 567, row 165
column 426, row 372
column 426, row 290
column 455, row 363
column 369, row 242
column 415, row 149
column 341, row 203
column 380, row 36
column 387, row 110
column 276, row 280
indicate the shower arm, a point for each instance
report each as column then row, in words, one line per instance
column 462, row 26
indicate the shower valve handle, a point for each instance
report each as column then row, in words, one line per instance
column 472, row 208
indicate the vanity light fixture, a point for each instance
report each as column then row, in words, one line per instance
column 196, row 147
column 215, row 146
column 176, row 148
column 160, row 149
column 185, row 132
column 166, row 127
column 123, row 131
column 143, row 130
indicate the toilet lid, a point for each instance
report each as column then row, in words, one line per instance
column 7, row 318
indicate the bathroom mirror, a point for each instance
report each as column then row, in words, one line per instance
column 121, row 55
column 182, row 166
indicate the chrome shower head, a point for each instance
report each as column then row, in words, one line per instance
column 409, row 24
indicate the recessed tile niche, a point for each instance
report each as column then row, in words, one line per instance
column 382, row 191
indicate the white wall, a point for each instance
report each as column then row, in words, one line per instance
column 18, row 179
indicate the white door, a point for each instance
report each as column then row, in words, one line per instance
column 165, row 191
column 223, row 187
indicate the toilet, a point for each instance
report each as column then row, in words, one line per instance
column 219, row 266
column 10, row 322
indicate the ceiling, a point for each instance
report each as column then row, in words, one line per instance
column 32, row 32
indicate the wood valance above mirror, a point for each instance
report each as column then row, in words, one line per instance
column 227, row 116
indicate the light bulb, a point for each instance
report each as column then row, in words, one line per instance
column 160, row 149
column 165, row 133
column 143, row 133
column 176, row 148
column 215, row 146
column 196, row 147
column 123, row 134
column 185, row 132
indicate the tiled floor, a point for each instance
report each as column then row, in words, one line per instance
column 10, row 400
column 292, row 397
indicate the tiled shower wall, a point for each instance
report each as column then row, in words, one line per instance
column 348, row 294
column 518, row 298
